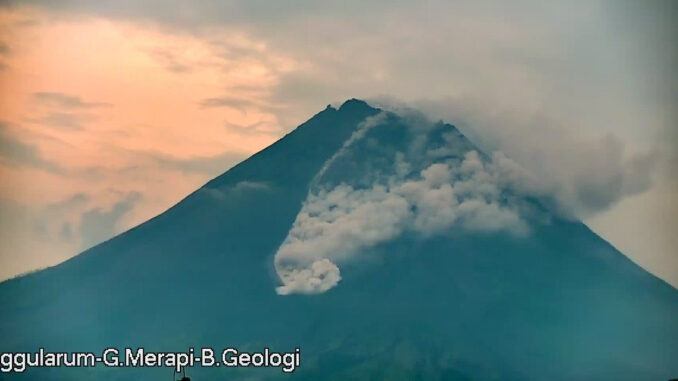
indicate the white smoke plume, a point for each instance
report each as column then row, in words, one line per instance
column 336, row 224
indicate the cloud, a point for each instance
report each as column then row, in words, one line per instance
column 235, row 192
column 68, row 204
column 236, row 102
column 34, row 236
column 210, row 165
column 4, row 49
column 4, row 52
column 170, row 61
column 584, row 175
column 15, row 152
column 66, row 101
column 64, row 120
column 45, row 219
column 257, row 128
column 63, row 111
column 510, row 61
column 98, row 225
column 41, row 218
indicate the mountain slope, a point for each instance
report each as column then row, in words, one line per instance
column 498, row 288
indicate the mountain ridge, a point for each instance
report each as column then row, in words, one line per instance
column 438, row 295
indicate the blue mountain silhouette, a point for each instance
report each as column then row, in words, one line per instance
column 548, row 301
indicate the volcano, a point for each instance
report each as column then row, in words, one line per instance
column 383, row 246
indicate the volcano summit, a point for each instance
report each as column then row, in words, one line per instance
column 383, row 246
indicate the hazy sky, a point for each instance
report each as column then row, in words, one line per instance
column 112, row 111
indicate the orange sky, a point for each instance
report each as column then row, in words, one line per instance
column 109, row 104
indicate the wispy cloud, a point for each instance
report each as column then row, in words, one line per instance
column 4, row 48
column 34, row 236
column 66, row 101
column 99, row 224
column 15, row 152
column 241, row 104
column 4, row 52
column 586, row 175
column 170, row 61
column 257, row 128
column 210, row 165
column 63, row 111
column 61, row 120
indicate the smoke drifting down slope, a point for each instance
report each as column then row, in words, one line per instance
column 429, row 180
column 428, row 259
